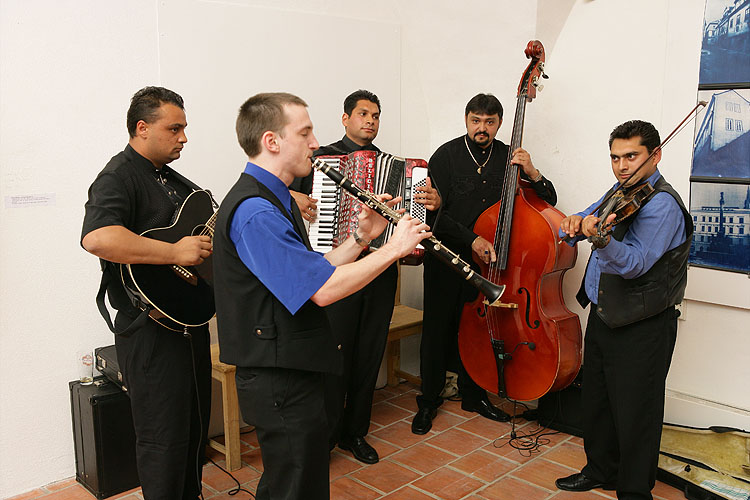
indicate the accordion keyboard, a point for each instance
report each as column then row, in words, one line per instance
column 323, row 229
column 371, row 171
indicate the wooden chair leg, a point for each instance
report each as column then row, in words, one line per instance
column 231, row 412
column 394, row 361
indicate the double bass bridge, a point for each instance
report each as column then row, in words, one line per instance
column 497, row 303
column 482, row 311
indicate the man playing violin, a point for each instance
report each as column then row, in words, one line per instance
column 636, row 275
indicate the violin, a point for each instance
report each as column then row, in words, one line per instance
column 624, row 204
column 626, row 201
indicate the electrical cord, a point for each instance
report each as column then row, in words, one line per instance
column 198, row 464
column 201, row 445
column 527, row 443
column 236, row 489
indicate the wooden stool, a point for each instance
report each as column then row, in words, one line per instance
column 225, row 375
column 406, row 321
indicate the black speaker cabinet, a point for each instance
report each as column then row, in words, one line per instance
column 562, row 410
column 104, row 438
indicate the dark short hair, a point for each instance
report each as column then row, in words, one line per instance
column 359, row 95
column 637, row 128
column 262, row 113
column 484, row 104
column 145, row 104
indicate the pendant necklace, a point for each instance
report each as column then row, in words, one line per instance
column 479, row 170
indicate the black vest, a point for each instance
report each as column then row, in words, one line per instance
column 624, row 301
column 255, row 329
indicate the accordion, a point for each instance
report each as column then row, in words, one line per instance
column 373, row 171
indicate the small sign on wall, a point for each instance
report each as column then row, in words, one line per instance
column 30, row 200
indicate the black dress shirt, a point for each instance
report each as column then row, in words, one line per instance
column 132, row 193
column 465, row 193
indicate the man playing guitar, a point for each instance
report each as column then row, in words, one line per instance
column 135, row 192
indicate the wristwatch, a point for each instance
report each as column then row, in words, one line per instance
column 361, row 241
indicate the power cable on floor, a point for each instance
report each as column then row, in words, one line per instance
column 238, row 488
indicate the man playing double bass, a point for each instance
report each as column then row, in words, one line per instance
column 468, row 172
column 632, row 281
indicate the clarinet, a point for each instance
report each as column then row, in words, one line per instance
column 491, row 291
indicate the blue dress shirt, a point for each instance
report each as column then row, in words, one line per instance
column 659, row 226
column 272, row 250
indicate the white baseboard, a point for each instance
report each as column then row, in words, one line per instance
column 684, row 409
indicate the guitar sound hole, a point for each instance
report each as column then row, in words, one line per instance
column 202, row 230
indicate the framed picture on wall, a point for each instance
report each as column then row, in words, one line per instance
column 721, row 216
column 721, row 147
column 725, row 49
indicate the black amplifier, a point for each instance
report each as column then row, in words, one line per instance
column 106, row 363
column 104, row 438
column 562, row 410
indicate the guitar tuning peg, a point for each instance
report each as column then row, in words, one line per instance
column 545, row 76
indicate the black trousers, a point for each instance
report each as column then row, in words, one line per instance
column 170, row 419
column 286, row 407
column 360, row 322
column 623, row 400
column 445, row 293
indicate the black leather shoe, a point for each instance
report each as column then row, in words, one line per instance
column 579, row 482
column 361, row 450
column 486, row 409
column 422, row 422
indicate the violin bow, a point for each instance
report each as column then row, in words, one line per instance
column 671, row 135
column 621, row 186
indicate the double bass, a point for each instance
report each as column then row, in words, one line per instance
column 530, row 343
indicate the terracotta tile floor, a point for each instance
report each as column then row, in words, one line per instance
column 464, row 456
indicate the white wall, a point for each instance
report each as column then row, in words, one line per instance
column 67, row 71
column 68, row 68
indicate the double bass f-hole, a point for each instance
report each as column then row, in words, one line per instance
column 521, row 291
column 482, row 310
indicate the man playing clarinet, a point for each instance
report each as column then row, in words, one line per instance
column 271, row 288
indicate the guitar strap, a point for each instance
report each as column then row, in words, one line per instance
column 192, row 185
column 137, row 323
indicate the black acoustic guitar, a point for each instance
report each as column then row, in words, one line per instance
column 181, row 296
